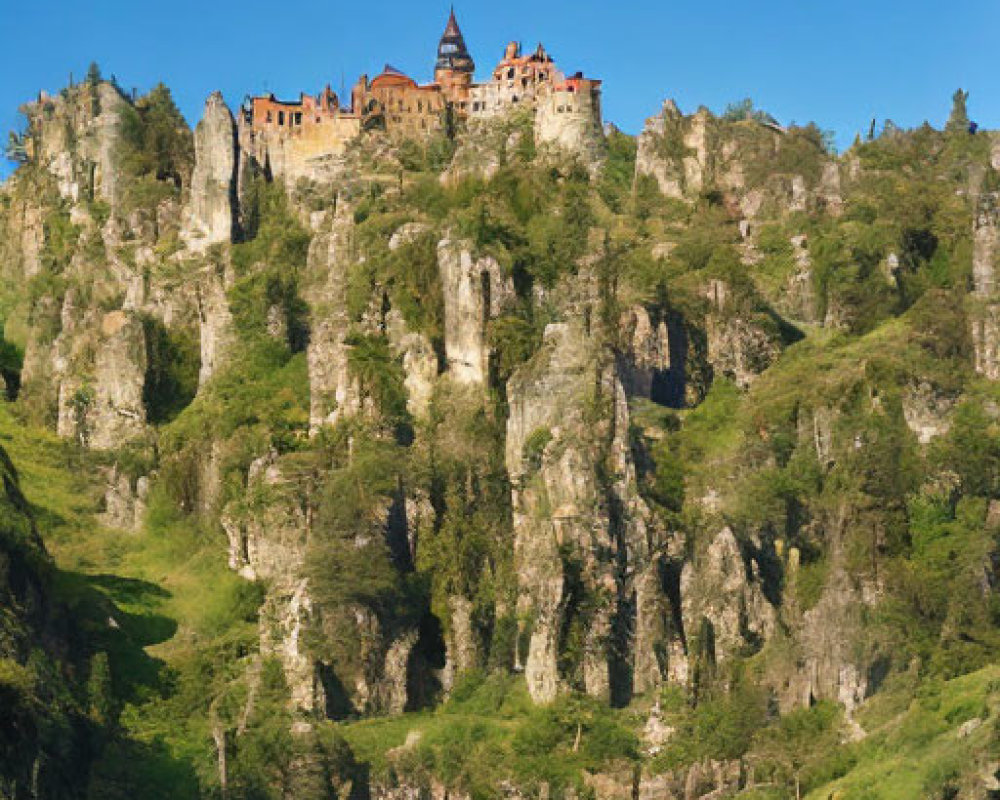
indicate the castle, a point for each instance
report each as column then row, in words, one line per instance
column 286, row 135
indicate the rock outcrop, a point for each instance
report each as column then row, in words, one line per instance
column 333, row 392
column 723, row 603
column 215, row 320
column 740, row 347
column 75, row 139
column 118, row 413
column 211, row 213
column 691, row 156
column 584, row 539
column 474, row 291
column 985, row 314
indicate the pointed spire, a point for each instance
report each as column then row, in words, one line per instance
column 452, row 52
column 452, row 29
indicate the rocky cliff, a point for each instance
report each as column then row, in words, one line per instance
column 623, row 443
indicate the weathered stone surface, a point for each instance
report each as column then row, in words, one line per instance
column 738, row 347
column 646, row 341
column 985, row 313
column 800, row 294
column 671, row 174
column 211, row 212
column 572, row 519
column 268, row 535
column 333, row 392
column 125, row 500
column 474, row 291
column 717, row 589
column 462, row 653
column 571, row 122
column 76, row 137
column 926, row 411
column 216, row 321
column 420, row 364
column 118, row 413
column 100, row 402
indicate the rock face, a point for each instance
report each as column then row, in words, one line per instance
column 333, row 392
column 723, row 602
column 799, row 300
column 267, row 541
column 646, row 371
column 674, row 151
column 985, row 314
column 211, row 213
column 100, row 402
column 125, row 500
column 926, row 411
column 474, row 291
column 583, row 536
column 76, row 138
column 688, row 156
column 739, row 347
column 118, row 413
column 420, row 364
column 215, row 320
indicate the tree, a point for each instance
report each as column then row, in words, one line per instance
column 958, row 122
column 745, row 110
column 156, row 139
column 798, row 741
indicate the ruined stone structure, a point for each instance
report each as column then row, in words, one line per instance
column 281, row 134
column 396, row 102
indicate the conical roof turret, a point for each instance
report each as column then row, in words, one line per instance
column 452, row 52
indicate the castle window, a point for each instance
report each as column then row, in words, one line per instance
column 281, row 117
column 420, row 106
column 269, row 119
column 298, row 117
column 510, row 73
column 524, row 83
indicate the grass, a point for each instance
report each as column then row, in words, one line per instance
column 914, row 748
column 489, row 731
column 161, row 603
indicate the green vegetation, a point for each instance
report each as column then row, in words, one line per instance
column 156, row 150
column 489, row 732
column 854, row 455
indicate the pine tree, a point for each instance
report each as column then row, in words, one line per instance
column 958, row 122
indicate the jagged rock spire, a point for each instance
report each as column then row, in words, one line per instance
column 452, row 52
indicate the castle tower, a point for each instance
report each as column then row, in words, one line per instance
column 454, row 68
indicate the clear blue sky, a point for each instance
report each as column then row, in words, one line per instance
column 838, row 64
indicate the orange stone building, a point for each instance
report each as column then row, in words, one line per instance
column 314, row 126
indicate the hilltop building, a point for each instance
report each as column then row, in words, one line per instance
column 286, row 134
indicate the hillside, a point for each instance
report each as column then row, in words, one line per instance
column 487, row 463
